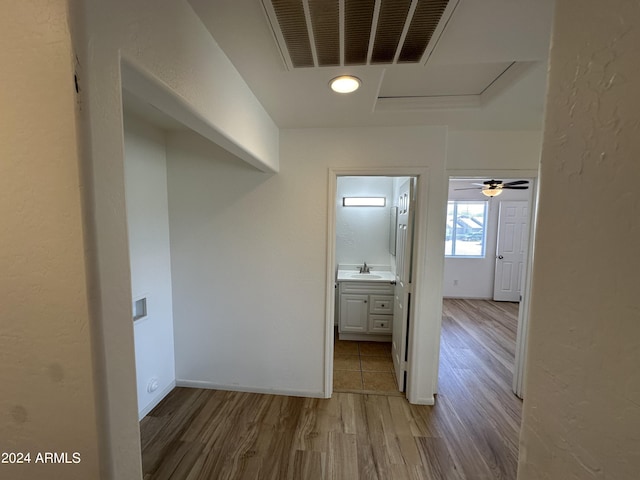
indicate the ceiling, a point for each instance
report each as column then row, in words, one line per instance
column 481, row 66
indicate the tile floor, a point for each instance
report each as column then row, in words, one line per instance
column 363, row 367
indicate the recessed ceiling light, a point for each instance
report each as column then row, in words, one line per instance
column 345, row 84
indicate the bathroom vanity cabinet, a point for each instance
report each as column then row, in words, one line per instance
column 365, row 311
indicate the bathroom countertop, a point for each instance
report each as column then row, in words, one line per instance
column 374, row 276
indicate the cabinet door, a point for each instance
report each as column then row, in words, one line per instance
column 353, row 313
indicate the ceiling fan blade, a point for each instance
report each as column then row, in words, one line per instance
column 517, row 182
column 471, row 188
column 516, row 187
column 479, row 184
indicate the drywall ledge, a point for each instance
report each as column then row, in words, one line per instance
column 155, row 92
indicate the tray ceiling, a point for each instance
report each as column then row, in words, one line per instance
column 483, row 67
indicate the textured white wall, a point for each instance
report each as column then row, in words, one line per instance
column 249, row 255
column 149, row 252
column 582, row 398
column 166, row 40
column 48, row 400
column 476, row 276
column 362, row 233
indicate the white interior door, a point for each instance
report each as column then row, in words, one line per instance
column 513, row 231
column 402, row 296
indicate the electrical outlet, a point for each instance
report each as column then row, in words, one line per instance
column 455, row 283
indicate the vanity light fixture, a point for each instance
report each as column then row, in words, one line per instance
column 364, row 201
column 345, row 84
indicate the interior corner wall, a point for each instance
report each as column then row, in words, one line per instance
column 150, row 257
column 362, row 233
column 48, row 401
column 581, row 414
column 249, row 254
column 166, row 40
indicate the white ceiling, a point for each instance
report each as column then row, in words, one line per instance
column 469, row 82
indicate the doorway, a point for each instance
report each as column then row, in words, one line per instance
column 492, row 262
column 368, row 315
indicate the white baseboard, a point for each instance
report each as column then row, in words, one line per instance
column 239, row 388
column 163, row 393
column 364, row 337
column 431, row 400
column 462, row 297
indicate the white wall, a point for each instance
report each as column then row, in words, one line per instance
column 149, row 252
column 249, row 255
column 493, row 150
column 247, row 271
column 475, row 276
column 48, row 399
column 362, row 233
column 165, row 40
column 582, row 393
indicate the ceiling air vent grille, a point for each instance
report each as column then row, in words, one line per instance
column 424, row 22
column 358, row 17
column 293, row 25
column 325, row 18
column 322, row 33
column 393, row 16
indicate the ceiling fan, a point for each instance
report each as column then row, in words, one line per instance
column 492, row 188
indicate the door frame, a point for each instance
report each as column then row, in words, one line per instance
column 421, row 175
column 519, row 368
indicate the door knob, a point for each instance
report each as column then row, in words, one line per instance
column 500, row 257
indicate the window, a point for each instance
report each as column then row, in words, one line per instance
column 465, row 229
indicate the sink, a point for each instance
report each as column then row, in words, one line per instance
column 354, row 276
column 371, row 276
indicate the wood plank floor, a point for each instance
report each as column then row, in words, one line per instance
column 471, row 432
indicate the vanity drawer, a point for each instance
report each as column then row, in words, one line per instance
column 381, row 304
column 380, row 323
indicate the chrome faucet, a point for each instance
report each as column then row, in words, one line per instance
column 365, row 268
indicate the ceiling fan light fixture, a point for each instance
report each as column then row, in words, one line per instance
column 345, row 84
column 491, row 192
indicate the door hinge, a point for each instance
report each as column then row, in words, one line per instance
column 403, row 365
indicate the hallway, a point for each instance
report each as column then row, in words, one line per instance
column 471, row 432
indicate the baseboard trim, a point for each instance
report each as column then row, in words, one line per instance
column 166, row 391
column 239, row 388
column 431, row 400
column 461, row 297
column 365, row 337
